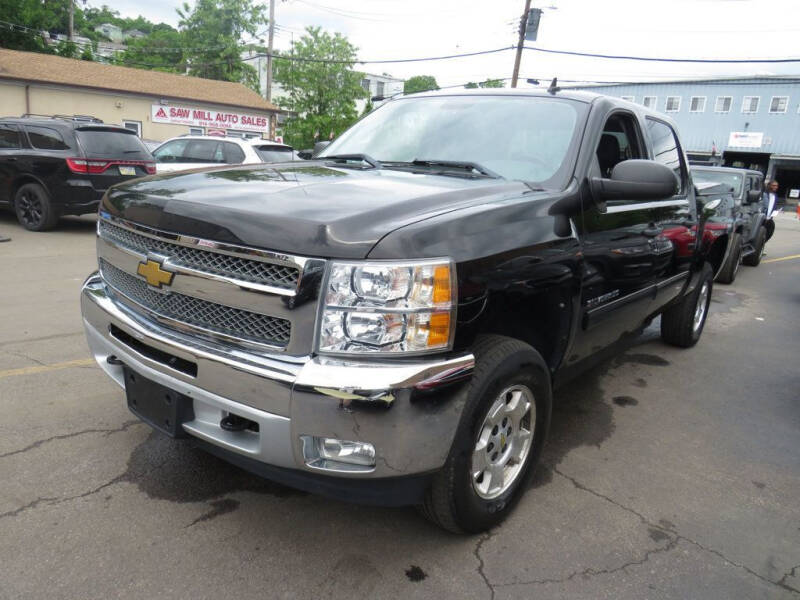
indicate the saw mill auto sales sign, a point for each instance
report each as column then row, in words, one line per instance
column 202, row 117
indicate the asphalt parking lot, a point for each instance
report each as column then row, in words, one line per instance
column 668, row 474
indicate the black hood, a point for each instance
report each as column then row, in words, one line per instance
column 309, row 209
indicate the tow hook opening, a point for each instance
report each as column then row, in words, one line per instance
column 231, row 422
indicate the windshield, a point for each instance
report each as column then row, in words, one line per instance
column 734, row 180
column 106, row 143
column 518, row 137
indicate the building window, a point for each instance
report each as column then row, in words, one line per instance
column 723, row 104
column 628, row 98
column 365, row 84
column 697, row 104
column 133, row 126
column 196, row 131
column 779, row 104
column 380, row 91
column 750, row 104
column 649, row 101
column 673, row 104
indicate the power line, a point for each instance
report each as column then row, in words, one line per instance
column 667, row 60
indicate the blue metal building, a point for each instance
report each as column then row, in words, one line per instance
column 751, row 122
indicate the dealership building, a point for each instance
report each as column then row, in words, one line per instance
column 154, row 104
column 750, row 122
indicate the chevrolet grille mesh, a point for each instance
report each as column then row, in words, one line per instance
column 214, row 317
column 204, row 260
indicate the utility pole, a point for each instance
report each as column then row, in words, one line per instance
column 71, row 18
column 523, row 24
column 269, row 64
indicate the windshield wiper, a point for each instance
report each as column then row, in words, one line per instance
column 467, row 166
column 458, row 168
column 375, row 164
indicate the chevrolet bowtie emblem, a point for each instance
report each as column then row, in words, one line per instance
column 154, row 274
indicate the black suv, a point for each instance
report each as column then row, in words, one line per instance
column 54, row 166
column 746, row 233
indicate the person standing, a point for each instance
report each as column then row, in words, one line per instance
column 770, row 201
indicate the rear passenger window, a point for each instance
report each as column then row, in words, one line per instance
column 45, row 138
column 9, row 137
column 666, row 150
column 233, row 154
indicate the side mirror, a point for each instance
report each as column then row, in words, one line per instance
column 710, row 207
column 636, row 180
column 319, row 147
column 753, row 196
column 305, row 154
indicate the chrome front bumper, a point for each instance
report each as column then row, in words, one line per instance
column 408, row 411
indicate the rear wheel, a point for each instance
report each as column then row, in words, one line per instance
column 753, row 260
column 727, row 274
column 34, row 209
column 682, row 324
column 499, row 439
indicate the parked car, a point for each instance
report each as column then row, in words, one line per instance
column 50, row 167
column 748, row 234
column 385, row 324
column 199, row 151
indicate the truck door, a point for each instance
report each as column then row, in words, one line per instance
column 675, row 219
column 623, row 250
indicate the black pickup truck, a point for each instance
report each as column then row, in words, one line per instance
column 386, row 323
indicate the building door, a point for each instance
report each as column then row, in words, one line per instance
column 757, row 161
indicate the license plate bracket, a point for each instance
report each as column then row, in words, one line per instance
column 160, row 407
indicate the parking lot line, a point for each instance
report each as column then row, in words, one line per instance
column 771, row 260
column 83, row 362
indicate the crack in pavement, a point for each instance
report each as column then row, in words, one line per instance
column 591, row 571
column 790, row 573
column 60, row 500
column 781, row 583
column 40, row 339
column 477, row 553
column 64, row 436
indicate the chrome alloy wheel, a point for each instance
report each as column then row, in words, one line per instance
column 504, row 442
column 700, row 309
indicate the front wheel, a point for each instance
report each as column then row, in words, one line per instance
column 754, row 259
column 682, row 324
column 502, row 431
column 727, row 274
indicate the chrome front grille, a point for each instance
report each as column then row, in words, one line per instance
column 264, row 273
column 198, row 313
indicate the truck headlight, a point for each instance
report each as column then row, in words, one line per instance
column 388, row 307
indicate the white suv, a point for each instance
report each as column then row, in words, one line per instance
column 198, row 151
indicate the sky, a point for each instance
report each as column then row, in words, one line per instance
column 392, row 29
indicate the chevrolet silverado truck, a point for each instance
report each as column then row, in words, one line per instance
column 385, row 324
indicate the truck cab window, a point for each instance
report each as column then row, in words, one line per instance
column 618, row 142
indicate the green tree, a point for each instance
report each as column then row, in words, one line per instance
column 420, row 83
column 323, row 94
column 213, row 31
column 68, row 49
column 489, row 83
column 156, row 51
column 493, row 83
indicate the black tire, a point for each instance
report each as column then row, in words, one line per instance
column 754, row 259
column 452, row 501
column 727, row 274
column 35, row 211
column 678, row 325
